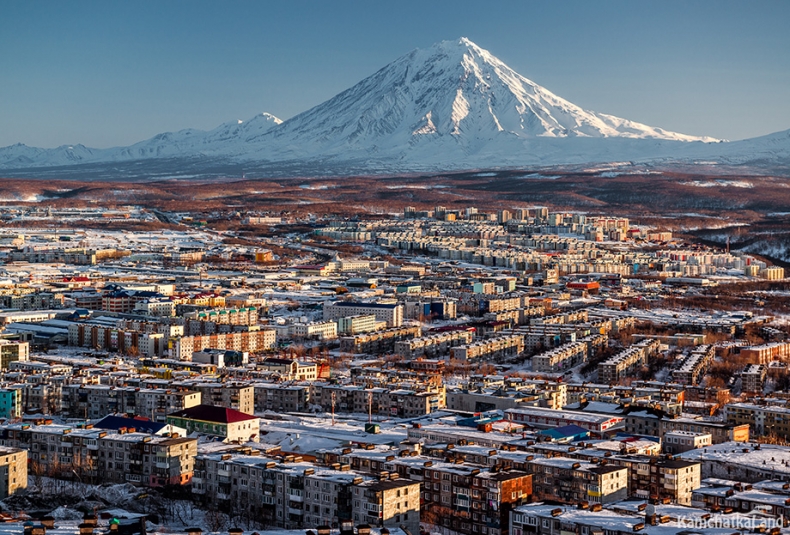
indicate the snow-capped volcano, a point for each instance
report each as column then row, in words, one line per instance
column 454, row 88
column 447, row 107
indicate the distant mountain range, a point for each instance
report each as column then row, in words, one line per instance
column 452, row 106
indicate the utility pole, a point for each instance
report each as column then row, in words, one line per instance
column 370, row 407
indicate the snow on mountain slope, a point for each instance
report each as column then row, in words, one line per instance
column 772, row 147
column 184, row 143
column 447, row 107
column 199, row 143
column 454, row 93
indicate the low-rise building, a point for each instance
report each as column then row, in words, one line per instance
column 596, row 424
column 569, row 481
column 228, row 424
column 680, row 441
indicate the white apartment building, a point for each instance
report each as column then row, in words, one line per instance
column 390, row 313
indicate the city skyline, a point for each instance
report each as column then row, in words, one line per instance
column 113, row 74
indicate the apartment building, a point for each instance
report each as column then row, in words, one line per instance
column 680, row 441
column 221, row 358
column 765, row 353
column 534, row 394
column 753, row 378
column 236, row 396
column 379, row 341
column 566, row 480
column 433, row 307
column 44, row 397
column 745, row 462
column 362, row 323
column 143, row 459
column 389, row 502
column 32, row 316
column 292, row 494
column 541, row 519
column 625, row 363
column 13, row 471
column 762, row 419
column 317, row 330
column 490, row 348
column 11, row 351
column 660, row 478
column 226, row 316
column 469, row 498
column 159, row 306
column 693, row 367
column 720, row 432
column 390, row 313
column 281, row 398
column 96, row 455
column 253, row 341
column 455, row 495
column 32, row 301
column 10, row 403
column 146, row 344
column 772, row 273
column 456, row 434
column 561, row 358
column 545, row 337
column 769, row 497
column 291, row 370
column 97, row 401
column 433, row 345
column 390, row 402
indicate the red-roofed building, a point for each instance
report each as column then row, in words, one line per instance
column 590, row 286
column 230, row 424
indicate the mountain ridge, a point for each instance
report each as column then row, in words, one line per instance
column 450, row 106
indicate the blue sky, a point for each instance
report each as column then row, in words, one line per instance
column 107, row 73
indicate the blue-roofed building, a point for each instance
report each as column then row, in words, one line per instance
column 565, row 433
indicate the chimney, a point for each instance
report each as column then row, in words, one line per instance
column 86, row 529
